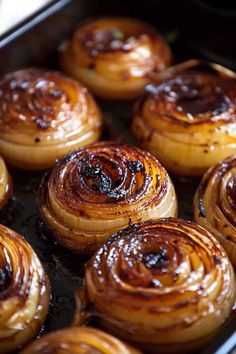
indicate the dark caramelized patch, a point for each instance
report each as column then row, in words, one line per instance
column 106, row 173
column 101, row 184
column 194, row 102
column 5, row 278
column 117, row 195
column 231, row 190
column 91, row 171
column 155, row 260
column 135, row 166
column 36, row 97
column 193, row 96
column 216, row 259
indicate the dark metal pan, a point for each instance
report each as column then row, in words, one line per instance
column 35, row 43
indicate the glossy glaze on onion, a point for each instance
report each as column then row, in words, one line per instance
column 165, row 285
column 187, row 119
column 24, row 291
column 80, row 340
column 43, row 115
column 5, row 183
column 100, row 189
column 215, row 204
column 115, row 57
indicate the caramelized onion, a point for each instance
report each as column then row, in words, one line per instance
column 166, row 285
column 100, row 189
column 5, row 183
column 79, row 340
column 24, row 291
column 114, row 56
column 187, row 119
column 215, row 204
column 43, row 115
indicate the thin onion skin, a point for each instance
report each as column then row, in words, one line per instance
column 79, row 340
column 100, row 189
column 187, row 120
column 44, row 114
column 215, row 204
column 165, row 285
column 24, row 292
column 111, row 67
column 5, row 184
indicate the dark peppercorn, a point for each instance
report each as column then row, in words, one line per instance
column 37, row 139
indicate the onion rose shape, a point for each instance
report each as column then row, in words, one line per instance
column 215, row 204
column 44, row 115
column 165, row 285
column 187, row 118
column 24, row 292
column 100, row 189
column 115, row 57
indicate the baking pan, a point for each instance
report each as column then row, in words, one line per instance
column 35, row 43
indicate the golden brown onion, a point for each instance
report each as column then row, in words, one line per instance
column 166, row 285
column 5, row 183
column 187, row 119
column 115, row 57
column 43, row 115
column 100, row 189
column 24, row 291
column 215, row 204
column 79, row 340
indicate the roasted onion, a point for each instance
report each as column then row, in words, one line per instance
column 114, row 57
column 24, row 291
column 188, row 118
column 79, row 340
column 166, row 285
column 215, row 204
column 43, row 115
column 100, row 189
column 5, row 184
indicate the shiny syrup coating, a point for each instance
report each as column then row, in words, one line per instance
column 24, row 291
column 106, row 174
column 104, row 187
column 164, row 276
column 160, row 246
column 37, row 99
column 192, row 97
